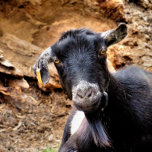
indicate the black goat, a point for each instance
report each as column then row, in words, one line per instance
column 115, row 109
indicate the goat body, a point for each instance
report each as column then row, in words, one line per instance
column 127, row 119
column 119, row 122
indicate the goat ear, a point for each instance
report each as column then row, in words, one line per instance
column 115, row 35
column 42, row 65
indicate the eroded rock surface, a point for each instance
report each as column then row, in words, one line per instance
column 137, row 47
column 143, row 3
column 37, row 24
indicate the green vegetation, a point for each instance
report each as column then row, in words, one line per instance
column 48, row 150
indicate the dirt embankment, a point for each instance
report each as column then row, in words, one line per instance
column 31, row 119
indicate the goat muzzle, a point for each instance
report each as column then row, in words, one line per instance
column 86, row 96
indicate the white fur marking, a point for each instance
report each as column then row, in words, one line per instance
column 76, row 121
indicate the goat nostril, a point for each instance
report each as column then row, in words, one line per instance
column 89, row 92
column 80, row 94
column 85, row 93
column 89, row 95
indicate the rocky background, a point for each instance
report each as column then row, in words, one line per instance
column 32, row 118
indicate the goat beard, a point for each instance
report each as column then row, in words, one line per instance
column 98, row 131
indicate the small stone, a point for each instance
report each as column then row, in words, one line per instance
column 50, row 138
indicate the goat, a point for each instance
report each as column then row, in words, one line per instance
column 113, row 111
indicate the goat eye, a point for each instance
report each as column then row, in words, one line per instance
column 102, row 52
column 57, row 61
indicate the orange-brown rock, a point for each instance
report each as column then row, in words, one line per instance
column 37, row 24
column 54, row 82
column 11, row 78
column 31, row 25
column 143, row 3
column 146, row 3
column 19, row 52
column 113, row 9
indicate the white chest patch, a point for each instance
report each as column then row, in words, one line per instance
column 76, row 121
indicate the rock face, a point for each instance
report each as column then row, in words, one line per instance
column 11, row 81
column 113, row 9
column 19, row 52
column 137, row 47
column 37, row 24
column 23, row 55
column 41, row 22
column 143, row 3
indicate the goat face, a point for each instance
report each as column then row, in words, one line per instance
column 80, row 58
column 82, row 67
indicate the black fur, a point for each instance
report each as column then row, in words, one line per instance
column 128, row 117
column 125, row 124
